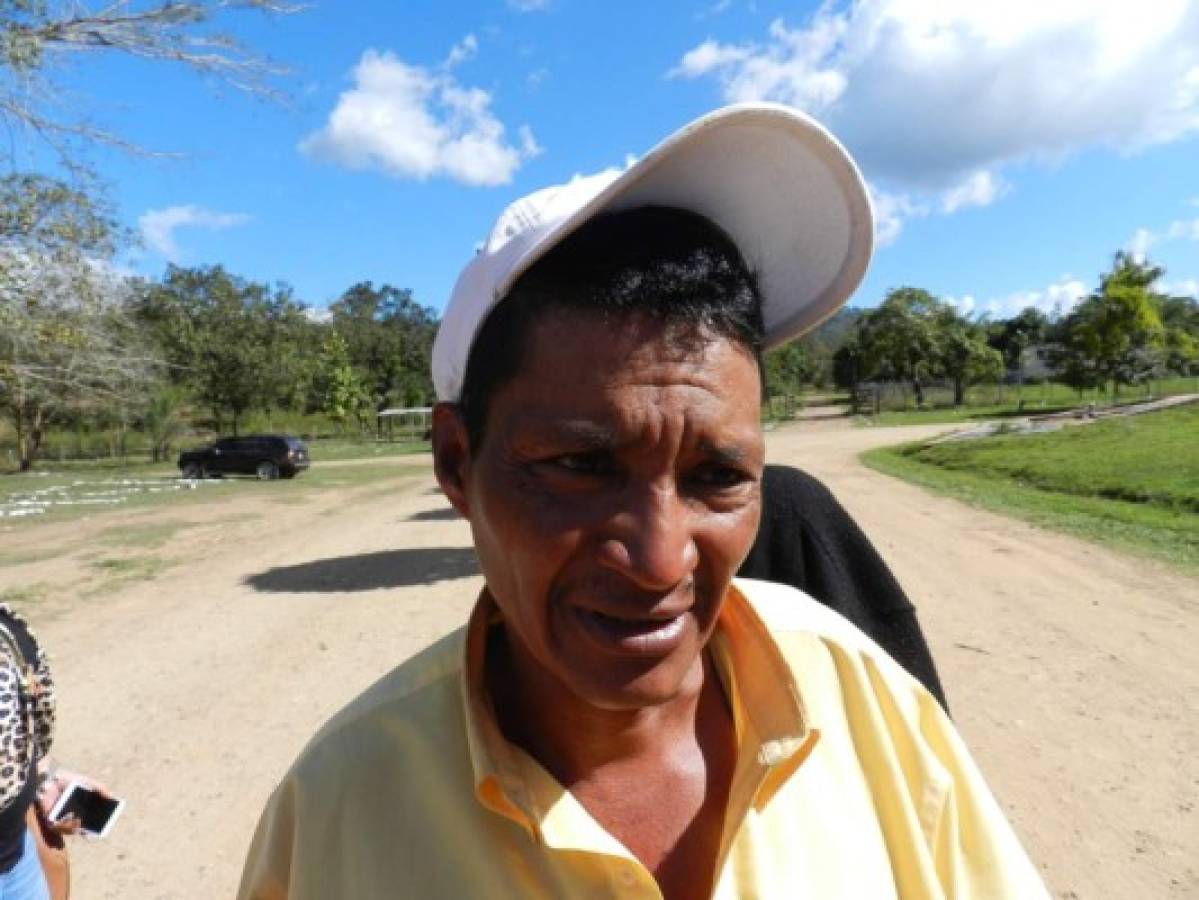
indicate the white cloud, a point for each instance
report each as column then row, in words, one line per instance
column 1188, row 287
column 318, row 316
column 529, row 147
column 719, row 8
column 158, row 226
column 1140, row 242
column 1060, row 296
column 525, row 6
column 978, row 189
column 936, row 98
column 1143, row 238
column 891, row 211
column 462, row 51
column 964, row 305
column 1183, row 230
column 413, row 122
column 708, row 56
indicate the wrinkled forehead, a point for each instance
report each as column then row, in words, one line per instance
column 582, row 339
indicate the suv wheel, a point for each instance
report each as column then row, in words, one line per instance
column 192, row 471
column 267, row 471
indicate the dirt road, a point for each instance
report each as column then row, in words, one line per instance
column 1071, row 670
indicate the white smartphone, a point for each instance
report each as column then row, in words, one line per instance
column 96, row 813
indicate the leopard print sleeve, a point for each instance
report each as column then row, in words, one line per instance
column 40, row 689
column 44, row 704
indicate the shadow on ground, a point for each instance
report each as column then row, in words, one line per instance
column 369, row 571
column 448, row 514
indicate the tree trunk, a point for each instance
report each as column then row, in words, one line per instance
column 28, row 425
column 959, row 391
column 33, row 440
column 919, row 390
column 18, row 420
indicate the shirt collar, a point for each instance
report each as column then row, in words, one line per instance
column 773, row 732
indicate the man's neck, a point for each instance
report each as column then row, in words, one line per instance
column 572, row 738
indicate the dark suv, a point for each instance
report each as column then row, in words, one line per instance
column 267, row 456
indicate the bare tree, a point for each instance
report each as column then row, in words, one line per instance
column 65, row 343
column 66, row 337
column 36, row 33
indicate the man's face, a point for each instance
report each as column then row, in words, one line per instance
column 615, row 494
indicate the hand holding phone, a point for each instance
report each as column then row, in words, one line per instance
column 96, row 812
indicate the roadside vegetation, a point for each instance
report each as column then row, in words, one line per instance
column 1130, row 482
column 986, row 402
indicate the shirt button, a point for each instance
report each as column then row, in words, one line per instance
column 627, row 877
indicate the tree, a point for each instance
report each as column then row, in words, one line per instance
column 1016, row 335
column 963, row 353
column 1112, row 329
column 1180, row 326
column 228, row 340
column 899, row 339
column 342, row 392
column 162, row 417
column 35, row 32
column 786, row 371
column 65, row 339
column 389, row 339
column 820, row 345
column 847, row 366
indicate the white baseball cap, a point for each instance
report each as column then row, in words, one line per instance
column 784, row 190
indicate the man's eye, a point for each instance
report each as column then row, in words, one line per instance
column 720, row 477
column 582, row 463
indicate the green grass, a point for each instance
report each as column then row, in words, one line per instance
column 29, row 593
column 320, row 477
column 1132, row 482
column 336, row 449
column 122, row 570
column 961, row 414
column 30, row 555
column 160, row 486
column 149, row 536
column 136, row 567
column 988, row 402
column 49, row 487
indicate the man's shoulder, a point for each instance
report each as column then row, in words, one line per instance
column 788, row 612
column 417, row 700
column 786, row 609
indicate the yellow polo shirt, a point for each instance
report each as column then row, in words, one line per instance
column 850, row 782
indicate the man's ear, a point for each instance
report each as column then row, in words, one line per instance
column 451, row 454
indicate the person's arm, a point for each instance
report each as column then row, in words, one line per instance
column 268, row 868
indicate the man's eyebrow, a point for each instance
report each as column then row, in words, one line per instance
column 583, row 432
column 729, row 454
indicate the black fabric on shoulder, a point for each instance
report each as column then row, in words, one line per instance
column 808, row 540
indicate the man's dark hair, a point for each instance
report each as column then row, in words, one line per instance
column 671, row 265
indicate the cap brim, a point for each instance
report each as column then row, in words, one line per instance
column 781, row 186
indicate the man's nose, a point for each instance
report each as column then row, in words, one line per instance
column 650, row 540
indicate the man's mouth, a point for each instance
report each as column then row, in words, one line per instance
column 638, row 636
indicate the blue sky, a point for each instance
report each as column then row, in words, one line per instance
column 1012, row 148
